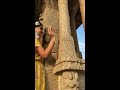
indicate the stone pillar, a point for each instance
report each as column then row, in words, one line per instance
column 73, row 30
column 82, row 10
column 67, row 65
column 50, row 18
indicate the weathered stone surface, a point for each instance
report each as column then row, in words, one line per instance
column 72, row 12
column 51, row 79
column 67, row 66
column 67, row 58
column 69, row 80
column 82, row 10
column 50, row 18
column 83, row 64
column 81, row 80
column 79, row 54
column 66, row 43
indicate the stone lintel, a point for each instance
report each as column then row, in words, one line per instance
column 67, row 65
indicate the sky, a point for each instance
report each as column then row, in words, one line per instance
column 81, row 39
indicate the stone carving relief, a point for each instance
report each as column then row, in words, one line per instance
column 70, row 80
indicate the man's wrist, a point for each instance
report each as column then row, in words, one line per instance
column 52, row 39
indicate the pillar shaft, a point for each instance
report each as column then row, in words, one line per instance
column 64, row 19
column 82, row 10
column 67, row 59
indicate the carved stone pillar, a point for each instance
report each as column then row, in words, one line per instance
column 68, row 63
column 50, row 18
column 82, row 10
column 72, row 11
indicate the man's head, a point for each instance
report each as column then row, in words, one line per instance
column 39, row 28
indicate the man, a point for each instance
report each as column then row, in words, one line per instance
column 40, row 54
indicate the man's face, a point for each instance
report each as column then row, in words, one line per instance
column 39, row 30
